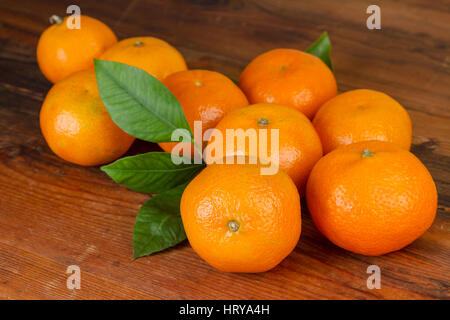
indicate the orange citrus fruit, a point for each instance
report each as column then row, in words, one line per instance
column 62, row 51
column 371, row 197
column 299, row 145
column 205, row 96
column 77, row 126
column 289, row 77
column 153, row 55
column 362, row 115
column 238, row 220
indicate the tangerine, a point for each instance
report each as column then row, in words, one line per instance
column 362, row 115
column 77, row 126
column 371, row 197
column 299, row 146
column 238, row 220
column 153, row 55
column 205, row 96
column 289, row 77
column 62, row 51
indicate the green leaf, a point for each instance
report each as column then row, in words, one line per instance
column 158, row 223
column 152, row 172
column 321, row 49
column 138, row 103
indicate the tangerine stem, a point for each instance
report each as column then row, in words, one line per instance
column 366, row 153
column 263, row 122
column 55, row 19
column 233, row 225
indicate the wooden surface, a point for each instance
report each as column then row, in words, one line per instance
column 54, row 214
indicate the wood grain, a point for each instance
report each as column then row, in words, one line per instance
column 54, row 214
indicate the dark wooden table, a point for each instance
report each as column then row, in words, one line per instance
column 54, row 214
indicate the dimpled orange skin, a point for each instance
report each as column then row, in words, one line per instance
column 373, row 204
column 77, row 126
column 299, row 145
column 153, row 55
column 289, row 77
column 204, row 96
column 362, row 115
column 62, row 51
column 266, row 208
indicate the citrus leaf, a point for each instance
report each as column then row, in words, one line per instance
column 321, row 49
column 139, row 103
column 158, row 224
column 152, row 172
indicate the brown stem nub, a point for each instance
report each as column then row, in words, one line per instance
column 55, row 19
column 263, row 122
column 233, row 225
column 138, row 43
column 366, row 153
